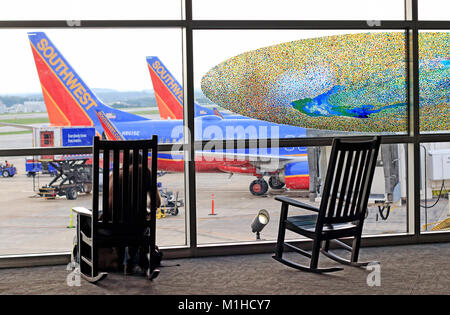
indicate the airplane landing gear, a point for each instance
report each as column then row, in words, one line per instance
column 259, row 187
column 275, row 182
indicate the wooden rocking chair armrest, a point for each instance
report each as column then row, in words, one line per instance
column 296, row 203
column 82, row 211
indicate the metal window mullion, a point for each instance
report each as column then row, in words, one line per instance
column 65, row 150
column 189, row 126
column 413, row 155
column 283, row 142
column 308, row 142
column 227, row 24
column 298, row 24
column 92, row 24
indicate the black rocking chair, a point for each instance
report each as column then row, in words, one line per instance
column 342, row 209
column 125, row 220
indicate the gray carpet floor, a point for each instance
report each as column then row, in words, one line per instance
column 413, row 269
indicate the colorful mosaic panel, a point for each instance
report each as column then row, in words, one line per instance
column 353, row 82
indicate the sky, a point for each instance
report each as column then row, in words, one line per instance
column 115, row 58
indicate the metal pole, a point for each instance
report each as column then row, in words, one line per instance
column 412, row 66
column 189, row 126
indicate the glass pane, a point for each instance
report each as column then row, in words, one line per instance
column 29, row 223
column 90, row 10
column 36, row 215
column 229, row 201
column 115, row 100
column 324, row 83
column 118, row 61
column 387, row 209
column 387, row 205
column 434, row 10
column 434, row 81
column 298, row 10
column 435, row 183
column 171, row 216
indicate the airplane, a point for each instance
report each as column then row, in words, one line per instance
column 70, row 101
column 169, row 94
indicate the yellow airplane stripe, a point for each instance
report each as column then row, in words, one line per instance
column 299, row 154
column 159, row 99
column 54, row 103
column 289, row 176
column 165, row 159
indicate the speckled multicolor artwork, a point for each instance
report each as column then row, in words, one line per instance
column 354, row 82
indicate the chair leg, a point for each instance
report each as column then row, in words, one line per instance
column 281, row 232
column 152, row 271
column 315, row 254
column 89, row 272
column 99, row 277
column 354, row 255
column 326, row 245
column 152, row 274
column 87, row 263
column 355, row 248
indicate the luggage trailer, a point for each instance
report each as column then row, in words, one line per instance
column 74, row 176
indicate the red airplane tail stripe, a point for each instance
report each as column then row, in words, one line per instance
column 62, row 99
column 56, row 116
column 164, row 109
column 170, row 102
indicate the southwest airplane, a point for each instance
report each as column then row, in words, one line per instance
column 71, row 102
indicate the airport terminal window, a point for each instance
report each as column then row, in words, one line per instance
column 435, row 183
column 322, row 83
column 434, row 80
column 30, row 224
column 298, row 10
column 60, row 85
column 227, row 204
column 311, row 82
column 90, row 10
column 432, row 10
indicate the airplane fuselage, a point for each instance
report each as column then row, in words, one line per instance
column 209, row 159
